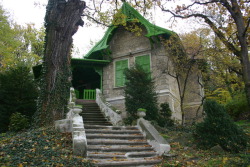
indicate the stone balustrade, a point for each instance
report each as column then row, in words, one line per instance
column 113, row 117
column 74, row 124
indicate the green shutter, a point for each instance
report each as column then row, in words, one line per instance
column 120, row 66
column 144, row 62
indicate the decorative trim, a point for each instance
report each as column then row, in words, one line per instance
column 164, row 92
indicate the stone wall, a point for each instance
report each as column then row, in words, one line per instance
column 195, row 93
column 125, row 45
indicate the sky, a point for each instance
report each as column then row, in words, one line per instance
column 25, row 11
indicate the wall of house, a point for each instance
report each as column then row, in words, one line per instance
column 125, row 45
column 166, row 85
column 195, row 93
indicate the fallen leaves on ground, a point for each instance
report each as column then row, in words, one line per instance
column 38, row 147
column 184, row 152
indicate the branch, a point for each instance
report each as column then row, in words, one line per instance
column 236, row 71
column 101, row 5
column 98, row 22
column 220, row 34
column 248, row 22
column 198, row 3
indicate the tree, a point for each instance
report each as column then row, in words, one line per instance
column 18, row 93
column 6, row 38
column 140, row 93
column 18, row 44
column 61, row 22
column 223, row 17
column 222, row 67
column 184, row 67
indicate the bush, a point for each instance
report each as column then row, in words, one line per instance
column 18, row 93
column 237, row 106
column 219, row 129
column 140, row 93
column 18, row 122
column 164, row 118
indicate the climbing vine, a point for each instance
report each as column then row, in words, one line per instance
column 61, row 22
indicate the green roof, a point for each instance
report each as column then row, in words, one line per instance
column 75, row 62
column 101, row 48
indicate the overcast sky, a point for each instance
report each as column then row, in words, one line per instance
column 25, row 11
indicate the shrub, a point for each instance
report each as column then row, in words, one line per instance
column 164, row 119
column 18, row 93
column 236, row 106
column 18, row 122
column 140, row 93
column 219, row 129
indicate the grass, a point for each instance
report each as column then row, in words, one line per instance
column 184, row 152
column 38, row 147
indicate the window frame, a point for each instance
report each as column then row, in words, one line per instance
column 147, row 54
column 115, row 72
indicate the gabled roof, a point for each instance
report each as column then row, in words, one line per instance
column 101, row 48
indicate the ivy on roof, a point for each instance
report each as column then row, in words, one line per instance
column 101, row 48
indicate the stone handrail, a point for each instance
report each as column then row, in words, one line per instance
column 74, row 124
column 114, row 117
column 153, row 137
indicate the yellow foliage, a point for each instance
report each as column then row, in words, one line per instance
column 220, row 95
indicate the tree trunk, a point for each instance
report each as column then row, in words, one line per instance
column 237, row 15
column 61, row 21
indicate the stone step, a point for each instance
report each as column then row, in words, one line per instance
column 94, row 119
column 112, row 136
column 118, row 148
column 89, row 116
column 107, row 131
column 91, row 109
column 121, row 155
column 111, row 127
column 92, row 112
column 116, row 142
column 141, row 154
column 130, row 163
column 115, row 146
column 90, row 106
column 98, row 123
column 106, row 156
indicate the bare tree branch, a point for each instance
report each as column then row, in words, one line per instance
column 98, row 22
column 212, row 26
column 197, row 3
column 248, row 22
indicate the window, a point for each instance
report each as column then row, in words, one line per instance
column 120, row 66
column 144, row 62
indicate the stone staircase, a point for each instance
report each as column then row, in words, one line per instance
column 92, row 115
column 115, row 145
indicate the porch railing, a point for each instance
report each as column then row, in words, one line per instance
column 89, row 94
